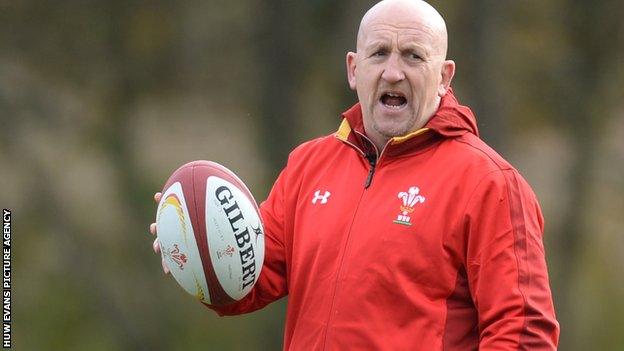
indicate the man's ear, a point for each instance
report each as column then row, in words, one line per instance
column 351, row 56
column 447, row 72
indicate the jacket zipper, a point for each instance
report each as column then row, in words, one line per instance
column 372, row 161
column 372, row 157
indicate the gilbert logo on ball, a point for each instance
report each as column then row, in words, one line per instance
column 210, row 232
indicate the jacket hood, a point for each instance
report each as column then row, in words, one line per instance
column 450, row 120
column 453, row 119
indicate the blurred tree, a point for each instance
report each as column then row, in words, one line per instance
column 592, row 29
column 477, row 50
column 281, row 60
column 289, row 36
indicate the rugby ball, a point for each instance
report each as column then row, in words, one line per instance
column 210, row 233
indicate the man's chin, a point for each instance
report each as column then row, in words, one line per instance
column 393, row 127
column 391, row 131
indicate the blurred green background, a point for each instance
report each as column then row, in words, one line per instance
column 101, row 100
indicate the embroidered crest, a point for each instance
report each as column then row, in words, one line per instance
column 409, row 199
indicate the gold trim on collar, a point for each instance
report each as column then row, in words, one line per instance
column 398, row 140
column 344, row 130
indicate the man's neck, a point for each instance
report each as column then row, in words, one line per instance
column 378, row 140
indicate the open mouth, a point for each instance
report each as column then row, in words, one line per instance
column 393, row 100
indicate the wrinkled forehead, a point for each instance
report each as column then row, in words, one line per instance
column 403, row 33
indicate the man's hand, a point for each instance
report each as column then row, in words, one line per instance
column 156, row 245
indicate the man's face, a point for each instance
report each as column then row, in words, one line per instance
column 399, row 73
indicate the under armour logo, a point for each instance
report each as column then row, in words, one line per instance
column 318, row 196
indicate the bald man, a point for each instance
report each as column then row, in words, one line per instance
column 403, row 230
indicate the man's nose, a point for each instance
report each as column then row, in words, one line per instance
column 393, row 71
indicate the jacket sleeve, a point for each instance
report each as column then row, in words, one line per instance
column 506, row 266
column 272, row 283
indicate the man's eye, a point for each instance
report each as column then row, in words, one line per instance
column 379, row 53
column 415, row 56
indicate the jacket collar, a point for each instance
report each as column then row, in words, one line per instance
column 450, row 120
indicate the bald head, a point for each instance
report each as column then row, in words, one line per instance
column 406, row 13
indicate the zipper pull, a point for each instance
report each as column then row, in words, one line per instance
column 372, row 160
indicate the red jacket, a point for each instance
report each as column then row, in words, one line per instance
column 436, row 244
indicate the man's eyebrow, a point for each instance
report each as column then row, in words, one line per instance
column 376, row 43
column 414, row 47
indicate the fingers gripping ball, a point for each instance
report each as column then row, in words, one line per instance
column 210, row 232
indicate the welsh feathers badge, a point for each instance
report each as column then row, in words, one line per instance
column 409, row 200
